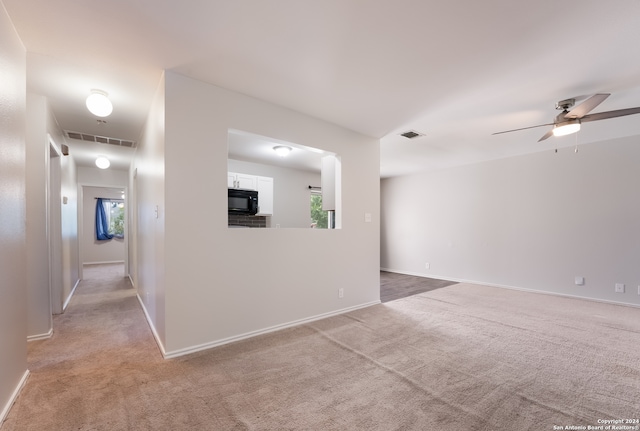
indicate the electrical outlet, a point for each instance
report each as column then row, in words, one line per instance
column 638, row 290
column 341, row 292
column 427, row 265
column 619, row 288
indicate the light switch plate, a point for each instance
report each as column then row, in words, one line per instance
column 619, row 288
column 579, row 281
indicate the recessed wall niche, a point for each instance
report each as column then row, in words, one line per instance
column 300, row 189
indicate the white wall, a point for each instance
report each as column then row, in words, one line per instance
column 532, row 222
column 102, row 177
column 13, row 303
column 94, row 251
column 207, row 301
column 37, row 160
column 291, row 195
column 70, row 236
column 147, row 226
column 41, row 129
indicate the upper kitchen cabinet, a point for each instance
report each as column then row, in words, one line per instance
column 265, row 196
column 242, row 181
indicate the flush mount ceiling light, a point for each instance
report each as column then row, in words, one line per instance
column 567, row 128
column 282, row 150
column 99, row 104
column 102, row 162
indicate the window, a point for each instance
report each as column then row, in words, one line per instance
column 116, row 218
column 109, row 219
column 319, row 218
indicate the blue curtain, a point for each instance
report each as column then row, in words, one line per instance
column 102, row 222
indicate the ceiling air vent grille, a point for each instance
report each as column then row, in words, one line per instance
column 411, row 134
column 100, row 139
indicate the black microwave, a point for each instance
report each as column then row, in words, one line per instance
column 243, row 201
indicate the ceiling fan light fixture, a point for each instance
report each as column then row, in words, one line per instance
column 282, row 150
column 102, row 162
column 567, row 128
column 98, row 103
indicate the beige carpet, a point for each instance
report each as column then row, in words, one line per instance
column 461, row 358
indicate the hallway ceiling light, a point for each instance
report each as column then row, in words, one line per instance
column 102, row 162
column 99, row 104
column 282, row 150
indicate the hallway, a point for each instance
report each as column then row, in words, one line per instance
column 96, row 364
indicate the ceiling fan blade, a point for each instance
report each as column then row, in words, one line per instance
column 610, row 114
column 523, row 128
column 546, row 135
column 587, row 106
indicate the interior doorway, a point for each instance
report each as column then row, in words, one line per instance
column 94, row 251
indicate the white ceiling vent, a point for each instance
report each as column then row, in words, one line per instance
column 411, row 134
column 100, row 139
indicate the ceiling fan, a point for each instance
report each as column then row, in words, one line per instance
column 568, row 122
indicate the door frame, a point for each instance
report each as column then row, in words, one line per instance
column 54, row 226
column 81, row 234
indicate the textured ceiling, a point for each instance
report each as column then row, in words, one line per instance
column 455, row 71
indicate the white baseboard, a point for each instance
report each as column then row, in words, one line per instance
column 152, row 326
column 103, row 263
column 205, row 346
column 40, row 336
column 505, row 286
column 14, row 397
column 131, row 281
column 66, row 303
